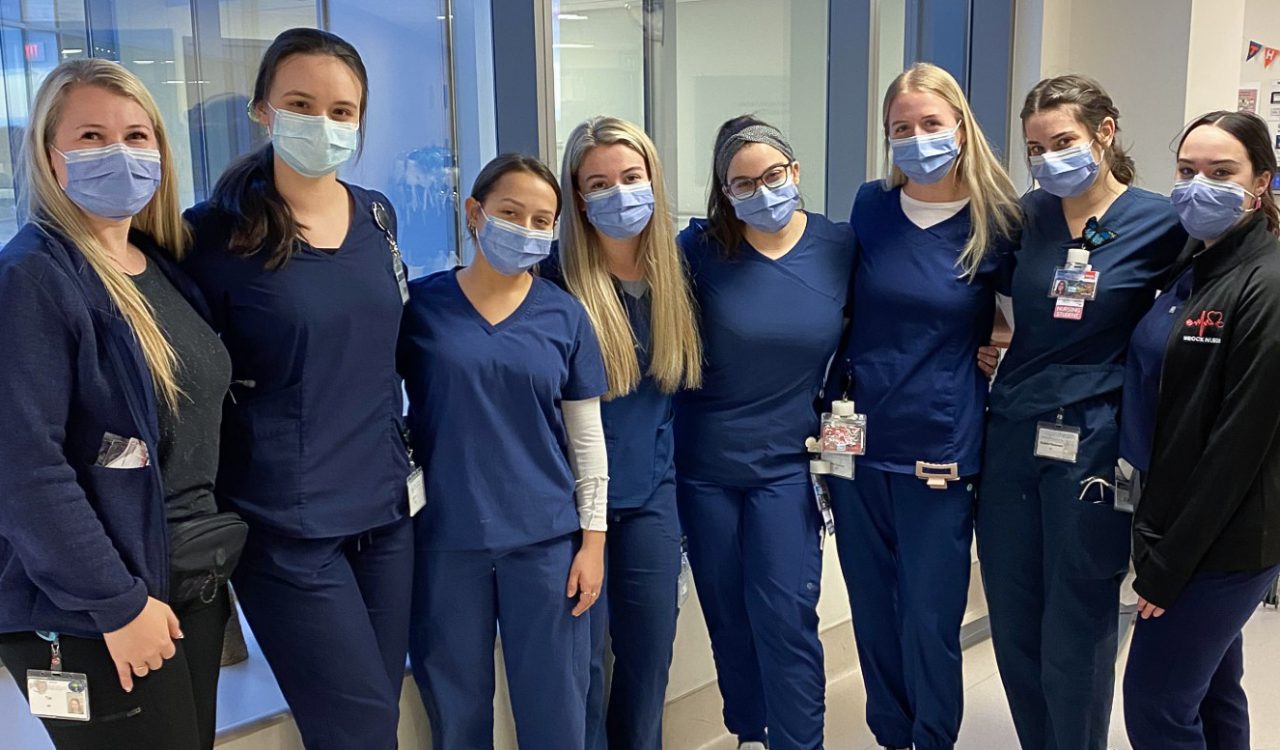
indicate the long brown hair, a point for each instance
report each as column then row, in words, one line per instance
column 48, row 206
column 247, row 189
column 1091, row 104
column 676, row 360
column 1254, row 135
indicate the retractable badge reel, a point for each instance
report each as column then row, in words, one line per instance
column 55, row 694
column 843, row 437
column 383, row 220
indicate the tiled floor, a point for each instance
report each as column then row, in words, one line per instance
column 986, row 722
column 986, row 725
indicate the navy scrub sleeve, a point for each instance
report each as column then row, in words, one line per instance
column 770, row 328
column 312, row 441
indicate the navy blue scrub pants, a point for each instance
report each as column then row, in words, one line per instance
column 905, row 554
column 1182, row 687
column 332, row 618
column 638, row 611
column 1052, row 565
column 461, row 600
column 756, row 555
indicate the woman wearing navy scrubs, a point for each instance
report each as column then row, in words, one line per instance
column 302, row 282
column 103, row 336
column 617, row 254
column 771, row 282
column 1052, row 562
column 504, row 379
column 1201, row 425
column 930, row 239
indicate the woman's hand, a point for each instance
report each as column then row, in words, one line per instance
column 143, row 645
column 988, row 358
column 1147, row 610
column 586, row 576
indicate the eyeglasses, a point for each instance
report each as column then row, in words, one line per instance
column 742, row 188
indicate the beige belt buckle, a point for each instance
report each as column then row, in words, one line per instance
column 937, row 475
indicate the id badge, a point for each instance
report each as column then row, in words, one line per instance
column 841, row 464
column 1057, row 442
column 1074, row 283
column 58, row 695
column 417, row 491
column 844, row 434
column 1068, row 309
column 823, row 497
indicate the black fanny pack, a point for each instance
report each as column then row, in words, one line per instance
column 202, row 553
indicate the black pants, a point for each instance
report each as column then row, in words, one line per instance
column 172, row 708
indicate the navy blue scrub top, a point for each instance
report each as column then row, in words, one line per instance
column 769, row 329
column 312, row 445
column 1052, row 363
column 1142, row 371
column 916, row 327
column 638, row 426
column 484, row 412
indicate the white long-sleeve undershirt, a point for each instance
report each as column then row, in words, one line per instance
column 589, row 461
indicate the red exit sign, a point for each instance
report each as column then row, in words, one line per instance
column 33, row 51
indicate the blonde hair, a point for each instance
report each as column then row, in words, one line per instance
column 676, row 349
column 994, row 210
column 48, row 206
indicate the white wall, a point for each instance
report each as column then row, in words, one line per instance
column 1261, row 23
column 750, row 56
column 1215, row 56
column 1135, row 50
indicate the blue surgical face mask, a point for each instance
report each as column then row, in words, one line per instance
column 769, row 210
column 313, row 145
column 510, row 248
column 114, row 182
column 926, row 158
column 622, row 211
column 1208, row 208
column 1066, row 173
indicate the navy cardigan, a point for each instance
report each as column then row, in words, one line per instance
column 81, row 546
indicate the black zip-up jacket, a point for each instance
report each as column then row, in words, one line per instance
column 1211, row 499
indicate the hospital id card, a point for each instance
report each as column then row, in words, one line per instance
column 1074, row 283
column 417, row 491
column 1057, row 442
column 58, row 695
